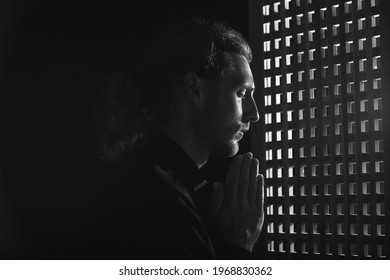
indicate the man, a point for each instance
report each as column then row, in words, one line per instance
column 193, row 99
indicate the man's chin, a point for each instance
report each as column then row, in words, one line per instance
column 227, row 150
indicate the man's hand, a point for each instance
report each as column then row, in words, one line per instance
column 237, row 206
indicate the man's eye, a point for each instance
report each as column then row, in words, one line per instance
column 241, row 94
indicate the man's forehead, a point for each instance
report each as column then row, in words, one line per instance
column 241, row 74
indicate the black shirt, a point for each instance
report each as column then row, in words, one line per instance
column 153, row 206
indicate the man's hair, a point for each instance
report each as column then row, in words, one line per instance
column 201, row 45
column 128, row 103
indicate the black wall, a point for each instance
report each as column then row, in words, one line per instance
column 52, row 60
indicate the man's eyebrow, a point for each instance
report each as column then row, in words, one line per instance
column 249, row 87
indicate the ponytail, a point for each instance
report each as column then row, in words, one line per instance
column 118, row 121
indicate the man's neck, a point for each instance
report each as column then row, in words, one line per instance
column 187, row 141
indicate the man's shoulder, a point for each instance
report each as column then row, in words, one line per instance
column 141, row 177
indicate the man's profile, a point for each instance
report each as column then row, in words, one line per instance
column 190, row 98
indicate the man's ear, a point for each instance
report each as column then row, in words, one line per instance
column 194, row 87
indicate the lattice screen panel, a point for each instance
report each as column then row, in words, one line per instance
column 324, row 135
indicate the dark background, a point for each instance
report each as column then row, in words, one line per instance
column 53, row 54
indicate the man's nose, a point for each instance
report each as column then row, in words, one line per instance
column 251, row 112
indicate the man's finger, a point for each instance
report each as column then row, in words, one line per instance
column 217, row 197
column 233, row 178
column 253, row 182
column 244, row 176
column 260, row 193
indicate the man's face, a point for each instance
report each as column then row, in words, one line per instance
column 229, row 110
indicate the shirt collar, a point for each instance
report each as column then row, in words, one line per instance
column 170, row 156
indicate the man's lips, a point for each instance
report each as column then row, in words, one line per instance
column 242, row 131
column 245, row 129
